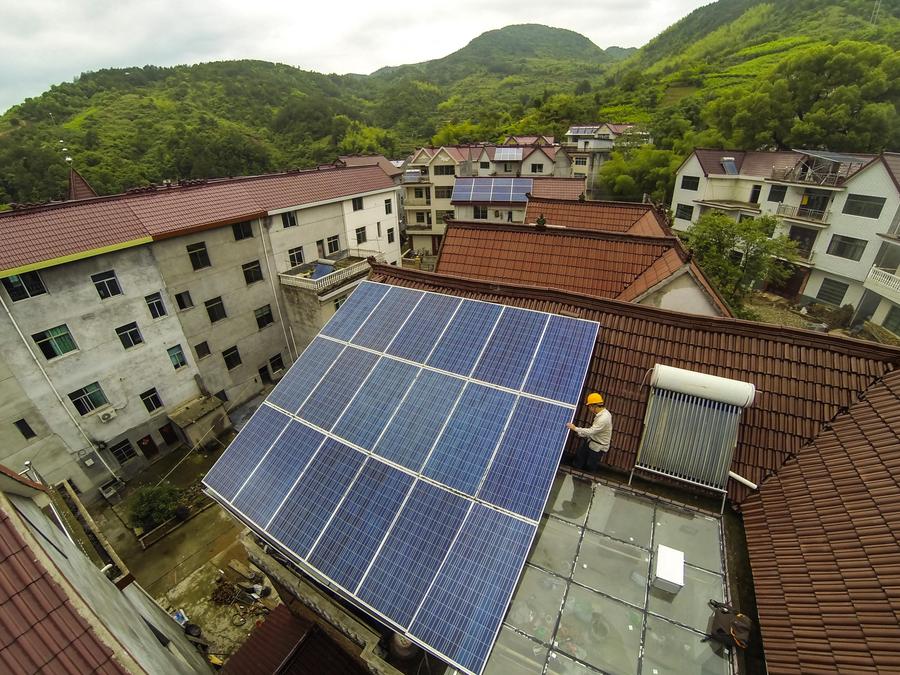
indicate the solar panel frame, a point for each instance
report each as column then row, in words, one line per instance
column 430, row 372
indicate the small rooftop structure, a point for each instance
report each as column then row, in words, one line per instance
column 629, row 217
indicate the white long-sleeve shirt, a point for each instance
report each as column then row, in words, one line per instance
column 599, row 434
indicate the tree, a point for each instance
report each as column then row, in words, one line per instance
column 154, row 505
column 736, row 256
column 645, row 170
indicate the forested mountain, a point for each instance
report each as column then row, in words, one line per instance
column 814, row 73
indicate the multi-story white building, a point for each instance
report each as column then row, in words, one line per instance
column 589, row 145
column 119, row 311
column 841, row 209
column 431, row 174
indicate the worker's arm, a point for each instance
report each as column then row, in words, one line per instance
column 584, row 432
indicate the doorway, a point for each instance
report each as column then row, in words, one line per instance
column 264, row 376
column 168, row 434
column 148, row 447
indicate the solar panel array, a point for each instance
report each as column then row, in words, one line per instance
column 582, row 131
column 492, row 190
column 406, row 456
column 505, row 154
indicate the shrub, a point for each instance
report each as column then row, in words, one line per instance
column 153, row 505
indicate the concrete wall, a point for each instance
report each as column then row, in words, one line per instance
column 682, row 294
column 496, row 214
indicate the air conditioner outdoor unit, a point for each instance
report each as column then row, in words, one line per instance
column 107, row 415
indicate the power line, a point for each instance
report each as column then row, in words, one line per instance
column 875, row 12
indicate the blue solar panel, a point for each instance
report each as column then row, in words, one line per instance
column 522, row 471
column 465, row 448
column 245, row 451
column 373, row 406
column 458, row 349
column 276, row 473
column 492, row 190
column 331, row 396
column 415, row 427
column 462, row 612
column 417, row 338
column 307, row 370
column 508, row 354
column 413, row 552
column 299, row 521
column 381, row 326
column 347, row 320
column 562, row 359
column 351, row 539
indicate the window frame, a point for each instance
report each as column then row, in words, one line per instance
column 484, row 165
column 252, row 272
column 198, row 254
column 43, row 337
column 581, row 161
column 443, row 192
column 109, row 282
column 388, row 206
column 839, row 244
column 893, row 314
column 25, row 429
column 782, row 189
column 333, row 239
column 204, row 352
column 361, row 235
column 479, row 212
column 182, row 296
column 83, row 396
column 288, row 219
column 20, row 287
column 151, row 396
column 859, row 202
column 691, row 183
column 278, row 359
column 130, row 335
column 442, row 170
column 232, row 352
column 293, row 259
column 177, row 357
column 156, row 305
column 390, row 235
column 539, row 169
column 679, row 208
column 242, row 230
column 215, row 302
column 123, row 448
column 357, row 204
column 263, row 313
column 831, row 281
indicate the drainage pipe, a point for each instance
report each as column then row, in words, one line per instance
column 743, row 481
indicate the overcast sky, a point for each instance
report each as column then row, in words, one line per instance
column 44, row 42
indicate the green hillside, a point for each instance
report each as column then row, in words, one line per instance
column 814, row 73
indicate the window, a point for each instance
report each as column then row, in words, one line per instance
column 690, row 182
column 264, row 316
column 276, row 363
column 151, row 400
column 295, row 256
column 537, row 168
column 443, row 192
column 360, row 235
column 183, row 300
column 420, row 216
column 130, row 335
column 198, row 255
column 252, row 272
column 388, row 207
column 106, row 284
column 832, row 291
column 444, row 170
column 357, row 203
column 232, row 358
column 55, row 342
column 155, row 305
column 581, row 161
column 202, row 350
column 390, row 235
column 419, row 193
column 221, row 395
column 216, row 309
column 777, row 193
column 289, row 219
column 334, row 244
column 123, row 451
column 754, row 194
column 864, row 206
column 338, row 302
column 88, row 398
column 25, row 428
column 481, row 213
column 241, row 231
column 22, row 286
column 684, row 211
column 507, row 167
column 176, row 356
column 846, row 247
column 891, row 322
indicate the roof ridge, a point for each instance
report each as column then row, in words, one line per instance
column 608, row 235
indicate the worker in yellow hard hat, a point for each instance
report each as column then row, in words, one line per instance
column 595, row 438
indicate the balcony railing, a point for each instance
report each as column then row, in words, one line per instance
column 803, row 213
column 884, row 282
column 415, row 177
column 811, row 177
column 314, row 276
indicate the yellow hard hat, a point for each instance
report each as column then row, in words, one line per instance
column 594, row 399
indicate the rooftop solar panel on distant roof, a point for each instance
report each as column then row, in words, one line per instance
column 508, row 155
column 411, row 407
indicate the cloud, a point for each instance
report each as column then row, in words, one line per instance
column 45, row 42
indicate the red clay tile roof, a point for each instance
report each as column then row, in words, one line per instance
column 70, row 230
column 79, row 188
column 825, row 548
column 804, row 378
column 369, row 160
column 558, row 188
column 599, row 264
column 284, row 644
column 603, row 216
column 40, row 630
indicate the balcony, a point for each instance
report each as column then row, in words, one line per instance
column 804, row 176
column 803, row 213
column 884, row 282
column 325, row 274
column 414, row 177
